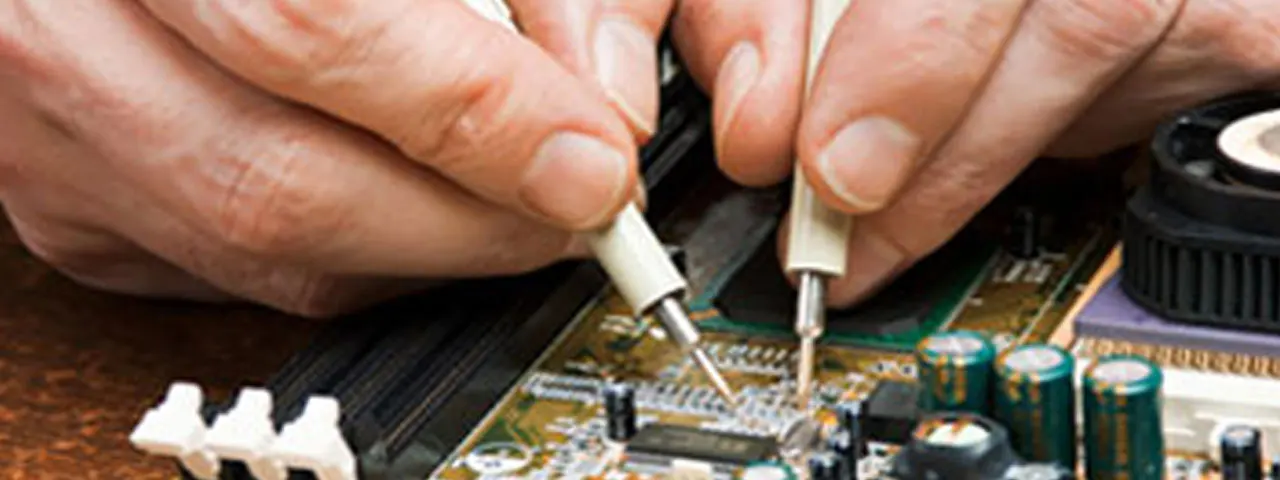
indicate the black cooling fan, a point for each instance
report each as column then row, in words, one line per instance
column 1202, row 238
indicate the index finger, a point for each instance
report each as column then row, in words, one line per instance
column 897, row 77
column 453, row 90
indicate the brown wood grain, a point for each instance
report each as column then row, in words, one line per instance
column 79, row 367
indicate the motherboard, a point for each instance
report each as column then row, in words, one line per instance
column 1145, row 394
column 1015, row 285
column 1109, row 319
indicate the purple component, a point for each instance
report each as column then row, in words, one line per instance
column 1111, row 315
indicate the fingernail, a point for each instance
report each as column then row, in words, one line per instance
column 872, row 262
column 738, row 75
column 868, row 160
column 574, row 179
column 625, row 61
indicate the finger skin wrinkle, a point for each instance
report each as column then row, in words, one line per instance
column 1109, row 30
column 1251, row 31
column 298, row 42
column 483, row 106
column 271, row 203
column 974, row 32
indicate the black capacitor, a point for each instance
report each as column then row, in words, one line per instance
column 1241, row 453
column 620, row 411
column 824, row 466
column 849, row 421
column 843, row 447
column 1275, row 470
column 849, row 415
column 1024, row 233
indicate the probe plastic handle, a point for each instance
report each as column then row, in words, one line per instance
column 640, row 268
column 818, row 235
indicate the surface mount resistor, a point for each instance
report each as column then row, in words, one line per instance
column 955, row 370
column 1123, row 433
column 1035, row 400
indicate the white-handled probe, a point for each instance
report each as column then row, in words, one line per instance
column 648, row 280
column 817, row 234
column 637, row 264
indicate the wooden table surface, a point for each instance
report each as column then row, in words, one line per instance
column 79, row 367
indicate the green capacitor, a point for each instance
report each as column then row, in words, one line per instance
column 955, row 371
column 1123, row 434
column 1035, row 400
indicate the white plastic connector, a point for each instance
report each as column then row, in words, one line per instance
column 245, row 433
column 640, row 268
column 313, row 442
column 175, row 428
column 818, row 235
column 1199, row 406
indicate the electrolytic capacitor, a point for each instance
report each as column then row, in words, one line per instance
column 1035, row 400
column 955, row 371
column 1241, row 453
column 849, row 421
column 824, row 466
column 620, row 411
column 844, row 448
column 1123, row 432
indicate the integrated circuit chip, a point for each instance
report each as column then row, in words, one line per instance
column 754, row 297
column 664, row 443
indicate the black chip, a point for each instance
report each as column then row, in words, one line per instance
column 665, row 442
column 891, row 412
column 758, row 292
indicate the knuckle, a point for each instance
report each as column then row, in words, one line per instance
column 292, row 40
column 1109, row 30
column 1250, row 36
column 271, row 208
column 451, row 139
column 947, row 38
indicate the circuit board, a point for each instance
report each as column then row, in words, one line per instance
column 550, row 425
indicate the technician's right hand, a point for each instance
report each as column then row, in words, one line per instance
column 314, row 155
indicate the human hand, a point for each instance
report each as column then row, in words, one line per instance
column 315, row 156
column 923, row 110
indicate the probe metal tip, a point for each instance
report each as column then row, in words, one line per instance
column 811, row 319
column 717, row 380
column 680, row 328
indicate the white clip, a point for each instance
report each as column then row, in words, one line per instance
column 245, row 433
column 314, row 442
column 175, row 428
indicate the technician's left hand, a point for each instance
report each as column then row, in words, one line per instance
column 923, row 110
